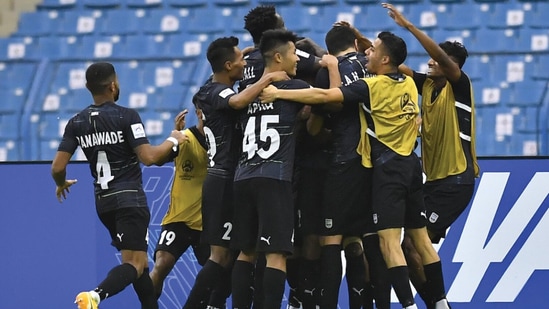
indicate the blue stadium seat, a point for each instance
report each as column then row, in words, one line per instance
column 55, row 47
column 165, row 21
column 426, row 16
column 170, row 99
column 16, row 75
column 37, row 23
column 12, row 101
column 540, row 70
column 122, row 22
column 57, row 4
column 101, row 47
column 138, row 99
column 231, row 3
column 360, row 2
column 129, row 73
column 528, row 93
column 475, row 13
column 276, row 3
column 417, row 63
column 9, row 126
column 374, row 18
column 186, row 45
column 465, row 36
column 79, row 22
column 144, row 3
column 528, row 119
column 48, row 149
column 318, row 2
column 145, row 46
column 533, row 40
column 539, row 16
column 103, row 4
column 69, row 75
column 513, row 68
column 494, row 41
column 9, row 150
column 52, row 125
column 15, row 48
column 187, row 3
column 489, row 93
column 324, row 22
column 296, row 18
column 202, row 22
column 477, row 68
column 506, row 15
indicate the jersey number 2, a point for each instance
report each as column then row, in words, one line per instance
column 249, row 143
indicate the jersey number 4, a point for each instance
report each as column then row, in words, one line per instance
column 249, row 143
column 103, row 169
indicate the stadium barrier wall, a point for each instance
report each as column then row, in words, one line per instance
column 495, row 255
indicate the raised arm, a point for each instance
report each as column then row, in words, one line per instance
column 449, row 68
column 246, row 96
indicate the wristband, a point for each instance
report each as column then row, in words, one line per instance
column 174, row 141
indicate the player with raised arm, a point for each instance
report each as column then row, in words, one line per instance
column 114, row 141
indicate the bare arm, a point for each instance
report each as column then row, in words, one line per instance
column 305, row 96
column 450, row 69
column 245, row 97
column 404, row 69
column 59, row 173
column 159, row 154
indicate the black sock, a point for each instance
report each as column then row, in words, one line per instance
column 368, row 296
column 355, row 276
column 309, row 283
column 222, row 290
column 260, row 265
column 331, row 271
column 205, row 281
column 274, row 281
column 379, row 276
column 292, row 276
column 400, row 280
column 242, row 281
column 117, row 279
column 423, row 292
column 435, row 281
column 144, row 288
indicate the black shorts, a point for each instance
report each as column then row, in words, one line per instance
column 308, row 217
column 347, row 195
column 217, row 210
column 128, row 227
column 397, row 192
column 444, row 203
column 264, row 215
column 177, row 237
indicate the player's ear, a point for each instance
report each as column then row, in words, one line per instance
column 228, row 65
column 277, row 57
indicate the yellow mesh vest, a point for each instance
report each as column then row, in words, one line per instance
column 441, row 149
column 394, row 110
column 186, row 194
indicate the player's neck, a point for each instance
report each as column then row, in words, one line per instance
column 345, row 52
column 224, row 79
column 101, row 99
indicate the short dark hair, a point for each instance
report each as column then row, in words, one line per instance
column 272, row 40
column 220, row 51
column 98, row 76
column 394, row 46
column 259, row 20
column 455, row 50
column 339, row 38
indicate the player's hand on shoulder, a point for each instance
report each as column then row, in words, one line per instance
column 180, row 120
column 268, row 94
column 329, row 61
column 180, row 136
column 278, row 76
column 61, row 191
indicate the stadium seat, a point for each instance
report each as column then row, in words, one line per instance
column 52, row 125
column 477, row 68
column 540, row 70
column 122, row 22
column 103, row 4
column 512, row 68
column 79, row 22
column 15, row 48
column 144, row 3
column 57, row 4
column 187, row 3
column 505, row 15
column 494, row 41
column 528, row 119
column 38, row 23
column 170, row 99
column 528, row 93
column 48, row 149
column 55, row 47
column 202, row 22
column 318, row 2
column 9, row 150
column 275, row 2
column 298, row 19
column 101, row 47
column 374, row 18
column 426, row 16
column 476, row 15
column 186, row 46
column 144, row 46
column 539, row 16
column 165, row 21
column 533, row 40
column 417, row 63
column 231, row 3
column 13, row 102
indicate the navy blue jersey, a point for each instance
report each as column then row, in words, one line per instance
column 255, row 66
column 345, row 124
column 268, row 145
column 108, row 135
column 220, row 127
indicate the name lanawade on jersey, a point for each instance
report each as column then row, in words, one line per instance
column 494, row 256
column 100, row 138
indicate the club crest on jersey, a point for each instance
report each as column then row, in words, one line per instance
column 328, row 223
column 433, row 217
column 375, row 218
column 138, row 130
